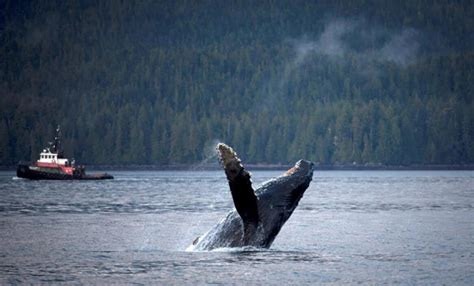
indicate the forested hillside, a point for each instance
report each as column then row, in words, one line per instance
column 159, row 82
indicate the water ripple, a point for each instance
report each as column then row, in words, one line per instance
column 349, row 228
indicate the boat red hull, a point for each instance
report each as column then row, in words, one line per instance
column 45, row 173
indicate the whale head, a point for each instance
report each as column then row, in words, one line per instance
column 279, row 197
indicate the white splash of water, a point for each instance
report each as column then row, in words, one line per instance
column 210, row 155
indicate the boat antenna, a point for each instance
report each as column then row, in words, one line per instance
column 57, row 140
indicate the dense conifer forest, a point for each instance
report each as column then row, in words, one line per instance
column 160, row 82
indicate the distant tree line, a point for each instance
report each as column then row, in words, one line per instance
column 159, row 82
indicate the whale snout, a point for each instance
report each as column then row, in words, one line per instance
column 302, row 168
column 305, row 165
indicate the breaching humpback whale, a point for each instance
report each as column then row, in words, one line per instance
column 260, row 214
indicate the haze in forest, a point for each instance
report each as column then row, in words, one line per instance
column 360, row 82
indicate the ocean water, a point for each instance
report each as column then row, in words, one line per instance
column 369, row 227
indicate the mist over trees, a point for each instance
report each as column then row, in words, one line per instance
column 158, row 82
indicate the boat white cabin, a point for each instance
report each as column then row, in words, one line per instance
column 52, row 158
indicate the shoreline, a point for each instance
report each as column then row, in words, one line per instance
column 272, row 167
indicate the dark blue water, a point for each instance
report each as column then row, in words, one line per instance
column 407, row 227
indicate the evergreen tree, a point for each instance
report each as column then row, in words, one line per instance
column 155, row 82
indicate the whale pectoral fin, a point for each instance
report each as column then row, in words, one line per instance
column 245, row 200
column 244, row 197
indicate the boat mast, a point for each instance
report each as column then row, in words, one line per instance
column 56, row 148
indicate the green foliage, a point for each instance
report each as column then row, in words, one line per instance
column 157, row 82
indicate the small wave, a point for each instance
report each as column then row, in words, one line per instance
column 371, row 207
column 385, row 257
column 241, row 249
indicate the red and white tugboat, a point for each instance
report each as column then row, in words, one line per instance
column 53, row 166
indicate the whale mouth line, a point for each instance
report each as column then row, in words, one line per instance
column 291, row 171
